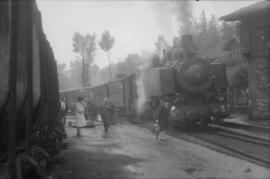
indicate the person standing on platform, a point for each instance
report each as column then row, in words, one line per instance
column 162, row 114
column 63, row 110
column 107, row 112
column 80, row 119
column 88, row 110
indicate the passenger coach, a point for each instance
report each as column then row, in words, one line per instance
column 121, row 92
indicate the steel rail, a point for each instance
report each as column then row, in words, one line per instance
column 243, row 138
column 249, row 157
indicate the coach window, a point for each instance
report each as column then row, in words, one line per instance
column 121, row 88
column 118, row 89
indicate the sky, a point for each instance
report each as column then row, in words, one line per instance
column 135, row 25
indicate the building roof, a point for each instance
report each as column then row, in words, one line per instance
column 259, row 7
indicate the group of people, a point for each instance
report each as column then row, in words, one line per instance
column 163, row 111
column 86, row 110
column 90, row 111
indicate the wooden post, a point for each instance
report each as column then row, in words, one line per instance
column 12, row 89
column 110, row 69
column 83, row 73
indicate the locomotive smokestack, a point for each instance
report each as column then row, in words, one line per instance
column 189, row 47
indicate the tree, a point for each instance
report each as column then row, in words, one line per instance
column 106, row 43
column 85, row 46
column 74, row 73
column 228, row 30
column 69, row 78
column 203, row 23
column 214, row 35
column 161, row 45
column 62, row 76
column 129, row 64
column 207, row 33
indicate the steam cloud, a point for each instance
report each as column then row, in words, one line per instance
column 183, row 11
column 148, row 64
column 162, row 12
column 141, row 93
column 165, row 12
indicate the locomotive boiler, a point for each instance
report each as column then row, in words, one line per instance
column 187, row 81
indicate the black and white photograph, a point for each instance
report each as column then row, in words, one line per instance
column 134, row 89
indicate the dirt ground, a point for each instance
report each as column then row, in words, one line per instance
column 129, row 151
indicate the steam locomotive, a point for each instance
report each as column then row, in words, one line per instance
column 195, row 87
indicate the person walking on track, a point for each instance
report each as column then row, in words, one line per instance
column 80, row 119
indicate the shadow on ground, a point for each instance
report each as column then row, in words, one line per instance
column 82, row 164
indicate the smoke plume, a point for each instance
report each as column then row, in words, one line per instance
column 183, row 11
column 164, row 18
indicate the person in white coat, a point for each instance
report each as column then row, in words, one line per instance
column 80, row 119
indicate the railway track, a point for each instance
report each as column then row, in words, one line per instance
column 251, row 148
column 255, row 150
column 256, row 138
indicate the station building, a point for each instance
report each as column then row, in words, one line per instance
column 255, row 47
